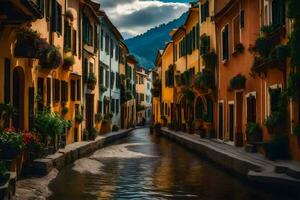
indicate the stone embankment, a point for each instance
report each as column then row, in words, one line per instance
column 253, row 166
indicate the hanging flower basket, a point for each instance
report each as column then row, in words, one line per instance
column 68, row 61
column 238, row 82
column 27, row 43
column 50, row 57
column 91, row 81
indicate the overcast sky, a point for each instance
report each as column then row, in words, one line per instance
column 133, row 17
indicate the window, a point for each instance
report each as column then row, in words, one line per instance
column 99, row 107
column 78, row 90
column 96, row 42
column 67, row 36
column 7, row 80
column 112, row 80
column 91, row 68
column 117, row 53
column 74, row 46
column 251, row 109
column 142, row 97
column 30, row 107
column 236, row 31
column 111, row 48
column 48, row 91
column 106, row 44
column 101, row 74
column 101, row 40
column 87, row 31
column 197, row 38
column 278, row 12
column 275, row 95
column 225, row 43
column 210, row 109
column 169, row 78
column 57, row 15
column 117, row 106
column 56, row 90
column 204, row 11
column 85, row 69
column 107, row 78
column 118, row 81
column 242, row 19
column 73, row 90
column 64, row 91
column 113, row 105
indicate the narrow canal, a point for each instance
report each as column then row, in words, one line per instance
column 145, row 166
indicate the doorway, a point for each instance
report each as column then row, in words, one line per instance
column 239, row 138
column 231, row 122
column 89, row 112
column 18, row 97
column 221, row 123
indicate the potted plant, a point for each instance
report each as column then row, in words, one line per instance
column 91, row 81
column 11, row 143
column 98, row 117
column 78, row 118
column 253, row 133
column 4, row 174
column 27, row 43
column 93, row 134
column 238, row 82
column 33, row 145
column 275, row 122
column 115, row 128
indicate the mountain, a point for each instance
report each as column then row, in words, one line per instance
column 145, row 46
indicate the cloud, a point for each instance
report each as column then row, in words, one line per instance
column 133, row 17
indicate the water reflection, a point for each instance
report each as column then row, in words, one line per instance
column 150, row 167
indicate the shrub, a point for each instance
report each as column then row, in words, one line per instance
column 293, row 9
column 108, row 116
column 33, row 144
column 254, row 133
column 262, row 47
column 11, row 143
column 98, row 117
column 69, row 124
column 93, row 134
column 277, row 148
column 91, row 81
column 293, row 86
column 68, row 62
column 189, row 95
column 275, row 122
column 238, row 82
column 204, row 80
column 115, row 128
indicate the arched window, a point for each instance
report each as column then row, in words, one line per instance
column 199, row 108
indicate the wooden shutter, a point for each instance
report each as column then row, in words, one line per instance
column 225, row 43
column 48, row 91
column 236, row 31
column 242, row 19
column 78, row 90
column 31, row 107
column 73, row 90
column 40, row 92
column 7, row 80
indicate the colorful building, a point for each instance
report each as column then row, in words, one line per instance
column 156, row 89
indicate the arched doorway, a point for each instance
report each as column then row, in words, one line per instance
column 18, row 97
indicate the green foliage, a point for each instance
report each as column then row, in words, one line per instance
column 49, row 124
column 262, row 47
column 91, row 78
column 239, row 48
column 102, row 88
column 94, row 133
column 3, row 168
column 280, row 52
column 238, row 82
column 294, row 44
column 189, row 95
column 296, row 130
column 108, row 116
column 276, row 119
column 78, row 118
column 293, row 9
column 210, row 60
column 254, row 132
column 68, row 61
column 50, row 57
column 267, row 29
column 69, row 124
column 204, row 80
column 293, row 86
column 12, row 139
column 98, row 117
column 277, row 148
column 115, row 128
column 64, row 111
column 6, row 112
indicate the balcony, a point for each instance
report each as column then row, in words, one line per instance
column 15, row 12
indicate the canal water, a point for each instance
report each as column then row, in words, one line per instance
column 145, row 166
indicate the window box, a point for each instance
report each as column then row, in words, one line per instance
column 50, row 57
column 68, row 61
column 27, row 43
column 91, row 81
column 238, row 82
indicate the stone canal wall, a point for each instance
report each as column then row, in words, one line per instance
column 72, row 152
